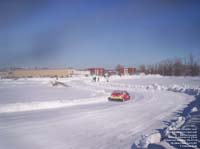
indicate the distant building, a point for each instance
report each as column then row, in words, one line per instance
column 80, row 72
column 131, row 70
column 97, row 71
column 127, row 71
column 111, row 72
column 35, row 73
column 3, row 74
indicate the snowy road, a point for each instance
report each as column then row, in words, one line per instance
column 95, row 125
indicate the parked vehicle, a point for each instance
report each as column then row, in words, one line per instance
column 119, row 96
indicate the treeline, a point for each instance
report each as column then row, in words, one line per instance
column 187, row 66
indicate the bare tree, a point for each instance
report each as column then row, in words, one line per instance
column 118, row 68
column 142, row 68
column 177, row 67
column 186, row 66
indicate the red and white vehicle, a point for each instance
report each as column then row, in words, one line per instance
column 119, row 96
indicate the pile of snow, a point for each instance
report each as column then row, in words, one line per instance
column 194, row 109
column 58, row 83
column 145, row 140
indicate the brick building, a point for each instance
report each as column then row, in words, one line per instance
column 97, row 71
column 127, row 71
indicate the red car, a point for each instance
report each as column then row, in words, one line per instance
column 119, row 96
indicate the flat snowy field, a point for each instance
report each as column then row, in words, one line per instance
column 35, row 114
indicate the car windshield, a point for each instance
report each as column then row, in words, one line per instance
column 119, row 92
column 116, row 92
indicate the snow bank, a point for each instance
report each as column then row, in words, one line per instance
column 187, row 90
column 156, row 137
column 174, row 126
column 139, row 76
column 154, row 86
column 130, row 87
column 41, row 105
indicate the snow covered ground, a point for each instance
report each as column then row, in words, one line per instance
column 35, row 114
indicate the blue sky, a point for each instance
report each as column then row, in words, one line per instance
column 88, row 33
